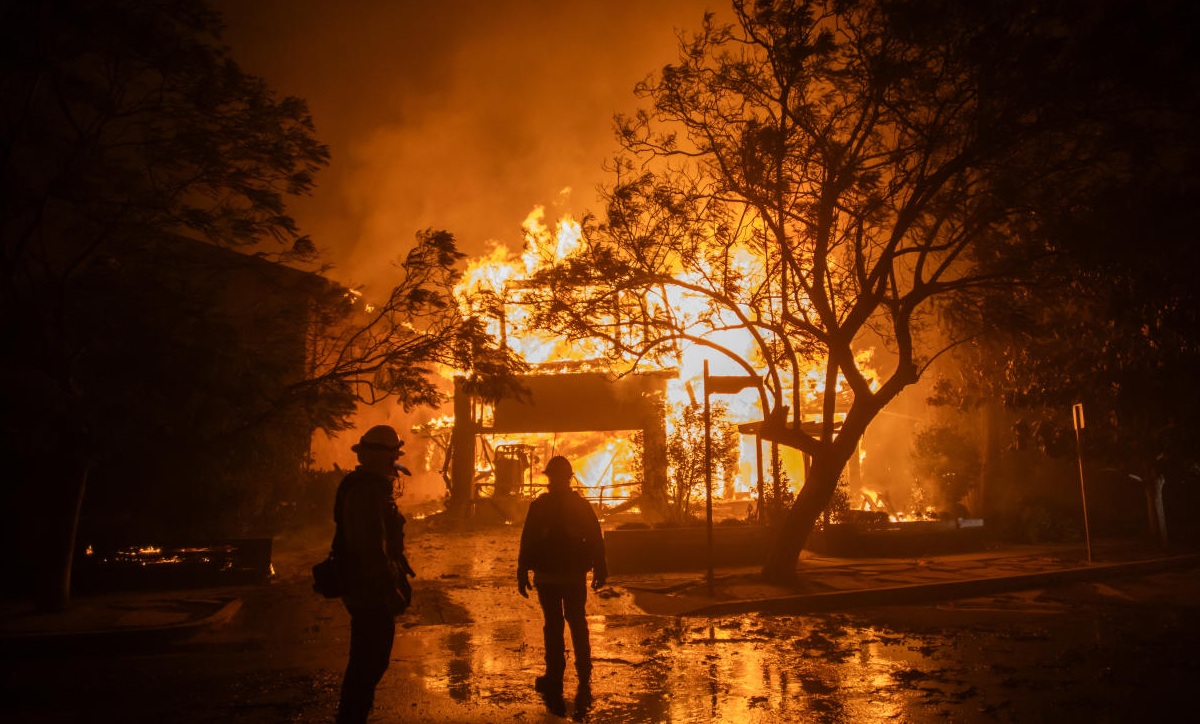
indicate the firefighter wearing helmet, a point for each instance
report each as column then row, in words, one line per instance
column 560, row 543
column 369, row 545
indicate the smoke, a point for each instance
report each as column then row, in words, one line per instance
column 465, row 116
column 452, row 115
column 455, row 115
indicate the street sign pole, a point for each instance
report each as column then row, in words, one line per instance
column 708, row 478
column 718, row 385
column 1077, row 419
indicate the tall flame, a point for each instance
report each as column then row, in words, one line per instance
column 497, row 276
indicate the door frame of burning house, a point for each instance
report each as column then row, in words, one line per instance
column 563, row 402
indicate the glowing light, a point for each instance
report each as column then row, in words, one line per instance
column 492, row 288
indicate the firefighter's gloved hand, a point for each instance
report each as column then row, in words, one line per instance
column 397, row 602
column 405, row 589
column 598, row 581
column 523, row 584
column 404, row 567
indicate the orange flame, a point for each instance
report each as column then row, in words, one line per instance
column 497, row 276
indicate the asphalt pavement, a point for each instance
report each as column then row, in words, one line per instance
column 1009, row 634
column 824, row 583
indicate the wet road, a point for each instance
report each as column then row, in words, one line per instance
column 1118, row 651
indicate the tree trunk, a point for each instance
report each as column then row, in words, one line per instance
column 462, row 460
column 989, row 470
column 655, row 504
column 53, row 587
column 790, row 535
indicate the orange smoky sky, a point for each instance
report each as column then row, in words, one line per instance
column 454, row 115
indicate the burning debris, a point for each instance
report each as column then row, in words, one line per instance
column 191, row 565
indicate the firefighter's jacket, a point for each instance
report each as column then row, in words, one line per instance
column 369, row 543
column 561, row 540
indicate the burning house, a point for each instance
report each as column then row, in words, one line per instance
column 634, row 427
column 588, row 403
column 567, row 402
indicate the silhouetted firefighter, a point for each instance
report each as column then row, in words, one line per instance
column 560, row 543
column 369, row 544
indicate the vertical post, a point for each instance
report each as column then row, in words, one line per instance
column 758, row 467
column 708, row 478
column 654, row 470
column 503, row 320
column 777, row 504
column 1161, row 514
column 1077, row 418
column 462, row 465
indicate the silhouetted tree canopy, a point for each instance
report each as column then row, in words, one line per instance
column 826, row 176
column 1110, row 318
column 123, row 123
column 149, row 318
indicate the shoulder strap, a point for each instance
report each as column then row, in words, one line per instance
column 338, row 546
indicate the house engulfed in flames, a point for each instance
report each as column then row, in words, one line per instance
column 591, row 403
column 613, row 426
column 492, row 455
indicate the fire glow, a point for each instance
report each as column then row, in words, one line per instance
column 492, row 288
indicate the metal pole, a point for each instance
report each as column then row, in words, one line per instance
column 1077, row 418
column 708, row 478
column 758, row 466
column 777, row 503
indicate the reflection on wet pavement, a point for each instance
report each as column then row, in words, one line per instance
column 748, row 668
column 469, row 648
column 651, row 669
column 473, row 647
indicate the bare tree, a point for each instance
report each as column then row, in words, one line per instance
column 815, row 178
column 395, row 348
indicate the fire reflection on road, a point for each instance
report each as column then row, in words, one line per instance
column 473, row 648
column 654, row 669
column 468, row 650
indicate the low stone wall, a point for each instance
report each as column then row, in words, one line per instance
column 645, row 550
column 899, row 540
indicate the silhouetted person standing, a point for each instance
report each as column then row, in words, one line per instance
column 560, row 543
column 369, row 545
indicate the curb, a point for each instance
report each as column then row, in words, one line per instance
column 945, row 590
column 132, row 635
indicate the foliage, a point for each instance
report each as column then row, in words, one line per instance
column 839, row 503
column 1110, row 320
column 128, row 117
column 139, row 163
column 685, row 455
column 818, row 177
column 392, row 349
column 949, row 460
column 776, row 505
